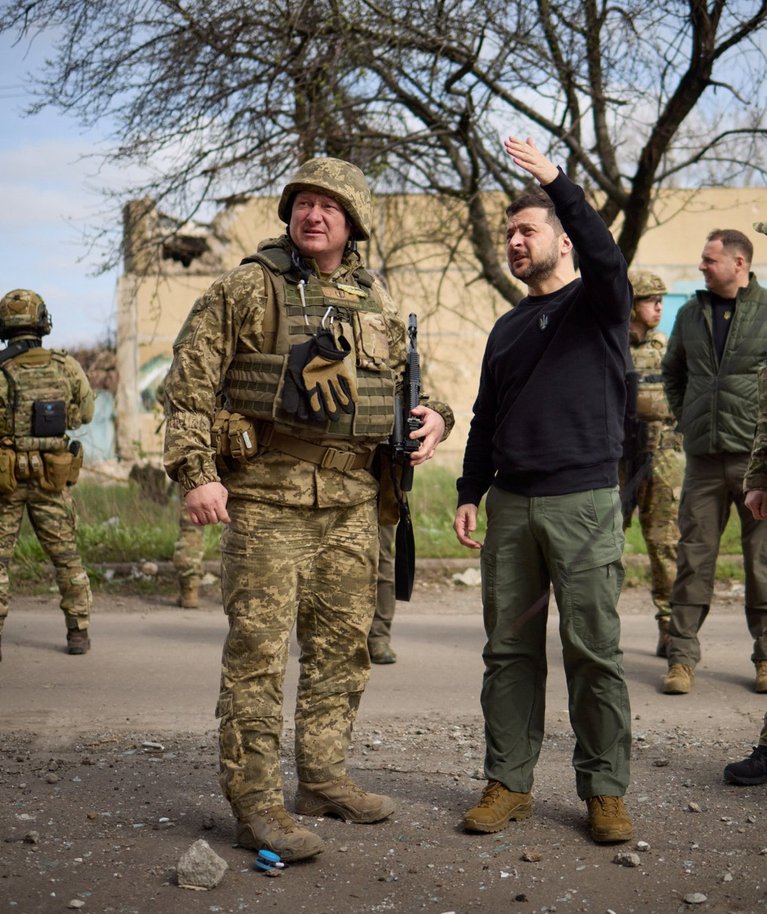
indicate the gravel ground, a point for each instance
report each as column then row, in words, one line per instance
column 98, row 824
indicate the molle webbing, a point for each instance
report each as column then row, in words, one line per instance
column 253, row 380
column 294, row 312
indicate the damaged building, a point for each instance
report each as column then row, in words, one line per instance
column 167, row 265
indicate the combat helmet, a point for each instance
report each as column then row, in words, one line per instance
column 23, row 311
column 338, row 179
column 646, row 284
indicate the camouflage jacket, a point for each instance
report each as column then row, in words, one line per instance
column 756, row 474
column 230, row 319
column 652, row 405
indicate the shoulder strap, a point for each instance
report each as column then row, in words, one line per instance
column 10, row 352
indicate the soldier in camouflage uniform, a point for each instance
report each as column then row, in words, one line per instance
column 306, row 348
column 43, row 392
column 379, row 637
column 658, row 489
column 189, row 549
column 187, row 558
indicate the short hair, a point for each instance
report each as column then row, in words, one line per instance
column 734, row 241
column 536, row 199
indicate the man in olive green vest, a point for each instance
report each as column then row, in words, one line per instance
column 710, row 376
column 306, row 349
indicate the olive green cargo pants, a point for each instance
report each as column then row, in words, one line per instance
column 572, row 543
column 314, row 568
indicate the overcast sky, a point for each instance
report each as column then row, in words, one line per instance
column 49, row 194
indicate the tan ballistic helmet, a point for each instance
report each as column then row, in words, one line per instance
column 338, row 179
column 646, row 284
column 23, row 311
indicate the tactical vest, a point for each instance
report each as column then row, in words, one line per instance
column 35, row 378
column 254, row 381
column 647, row 355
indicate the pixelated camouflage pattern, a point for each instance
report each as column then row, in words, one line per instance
column 54, row 520
column 315, row 570
column 645, row 284
column 763, row 734
column 756, row 474
column 301, row 548
column 658, row 496
column 229, row 318
column 338, row 179
column 23, row 310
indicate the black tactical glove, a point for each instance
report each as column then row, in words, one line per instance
column 327, row 380
column 294, row 394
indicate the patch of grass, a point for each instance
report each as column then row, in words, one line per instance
column 117, row 523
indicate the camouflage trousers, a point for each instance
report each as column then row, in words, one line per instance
column 380, row 630
column 190, row 546
column 314, row 568
column 53, row 518
column 658, row 507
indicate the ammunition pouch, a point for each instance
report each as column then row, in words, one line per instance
column 56, row 470
column 7, row 470
column 49, row 418
column 233, row 435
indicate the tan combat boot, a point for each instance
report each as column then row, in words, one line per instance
column 663, row 638
column 678, row 680
column 497, row 807
column 189, row 592
column 608, row 820
column 274, row 830
column 760, row 685
column 344, row 799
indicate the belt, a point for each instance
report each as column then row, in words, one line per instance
column 329, row 458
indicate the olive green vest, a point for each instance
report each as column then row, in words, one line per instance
column 254, row 380
column 35, row 375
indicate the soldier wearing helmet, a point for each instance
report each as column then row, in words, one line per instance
column 655, row 489
column 43, row 393
column 305, row 348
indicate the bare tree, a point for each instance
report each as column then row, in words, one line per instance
column 225, row 98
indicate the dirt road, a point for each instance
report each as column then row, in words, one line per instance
column 108, row 774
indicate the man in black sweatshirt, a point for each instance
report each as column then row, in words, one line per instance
column 545, row 441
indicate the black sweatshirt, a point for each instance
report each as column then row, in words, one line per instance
column 548, row 418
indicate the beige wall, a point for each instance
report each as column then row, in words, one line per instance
column 455, row 310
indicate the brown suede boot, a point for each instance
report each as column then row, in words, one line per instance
column 189, row 592
column 78, row 641
column 274, row 830
column 760, row 683
column 663, row 638
column 497, row 807
column 678, row 680
column 608, row 820
column 344, row 799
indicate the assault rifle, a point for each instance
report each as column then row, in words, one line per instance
column 637, row 461
column 404, row 422
column 403, row 446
